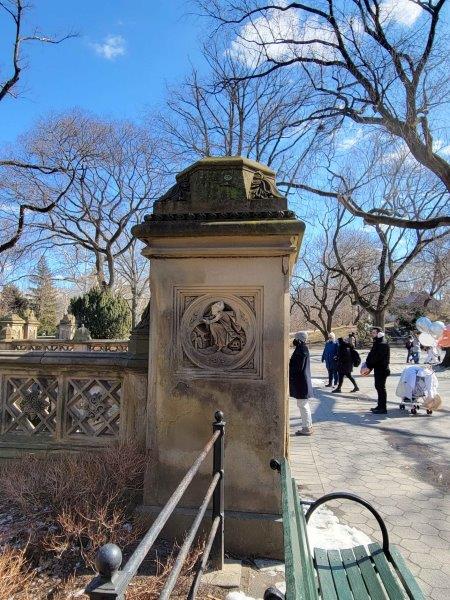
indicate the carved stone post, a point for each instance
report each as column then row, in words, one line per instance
column 222, row 245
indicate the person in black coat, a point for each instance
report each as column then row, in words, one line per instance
column 345, row 364
column 300, row 386
column 378, row 361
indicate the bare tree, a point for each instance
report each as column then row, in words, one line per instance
column 428, row 278
column 383, row 254
column 116, row 183
column 133, row 275
column 370, row 63
column 222, row 113
column 318, row 289
column 12, row 17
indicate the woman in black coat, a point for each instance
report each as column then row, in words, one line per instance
column 300, row 386
column 345, row 364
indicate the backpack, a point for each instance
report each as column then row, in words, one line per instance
column 356, row 359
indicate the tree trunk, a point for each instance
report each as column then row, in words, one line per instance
column 329, row 323
column 134, row 301
column 379, row 318
column 99, row 274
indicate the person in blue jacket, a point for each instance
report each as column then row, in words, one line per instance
column 329, row 357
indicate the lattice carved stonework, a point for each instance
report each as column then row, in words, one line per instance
column 29, row 406
column 218, row 332
column 92, row 408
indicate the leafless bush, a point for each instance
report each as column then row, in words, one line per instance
column 70, row 504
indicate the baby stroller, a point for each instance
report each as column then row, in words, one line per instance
column 418, row 388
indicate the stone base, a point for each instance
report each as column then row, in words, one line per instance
column 229, row 577
column 246, row 534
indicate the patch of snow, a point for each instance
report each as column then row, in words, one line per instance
column 239, row 596
column 281, row 585
column 326, row 531
column 269, row 567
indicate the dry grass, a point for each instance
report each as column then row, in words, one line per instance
column 15, row 574
column 150, row 587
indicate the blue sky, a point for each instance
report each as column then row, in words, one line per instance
column 119, row 65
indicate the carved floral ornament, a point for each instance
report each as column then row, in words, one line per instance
column 34, row 403
column 218, row 332
column 263, row 188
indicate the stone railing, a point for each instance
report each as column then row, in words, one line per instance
column 54, row 345
column 53, row 400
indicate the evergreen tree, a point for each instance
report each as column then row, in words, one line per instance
column 105, row 314
column 44, row 298
column 13, row 301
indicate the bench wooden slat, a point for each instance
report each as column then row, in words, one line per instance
column 327, row 589
column 406, row 577
column 390, row 583
column 354, row 575
column 369, row 575
column 300, row 577
column 339, row 575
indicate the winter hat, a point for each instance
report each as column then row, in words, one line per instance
column 332, row 336
column 301, row 336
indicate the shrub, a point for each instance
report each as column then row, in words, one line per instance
column 70, row 504
column 105, row 314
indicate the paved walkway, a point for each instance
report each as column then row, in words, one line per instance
column 399, row 462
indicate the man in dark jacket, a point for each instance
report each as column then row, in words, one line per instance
column 300, row 386
column 378, row 361
column 345, row 365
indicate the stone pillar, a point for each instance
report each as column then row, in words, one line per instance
column 12, row 327
column 30, row 329
column 66, row 327
column 222, row 246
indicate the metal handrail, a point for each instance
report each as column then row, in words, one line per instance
column 111, row 583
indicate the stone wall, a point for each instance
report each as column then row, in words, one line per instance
column 54, row 401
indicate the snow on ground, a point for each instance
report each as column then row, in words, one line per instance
column 238, row 596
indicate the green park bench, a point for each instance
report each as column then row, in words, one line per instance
column 352, row 574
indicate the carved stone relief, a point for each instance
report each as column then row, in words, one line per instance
column 262, row 187
column 219, row 332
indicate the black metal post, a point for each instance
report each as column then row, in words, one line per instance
column 108, row 584
column 217, row 550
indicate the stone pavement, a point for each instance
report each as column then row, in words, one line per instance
column 398, row 462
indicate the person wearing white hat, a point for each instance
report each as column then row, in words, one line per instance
column 300, row 386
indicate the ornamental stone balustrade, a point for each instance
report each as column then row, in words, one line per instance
column 66, row 401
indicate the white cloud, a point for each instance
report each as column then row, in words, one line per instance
column 441, row 147
column 351, row 140
column 403, row 12
column 264, row 38
column 111, row 47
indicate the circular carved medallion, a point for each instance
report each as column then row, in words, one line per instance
column 218, row 332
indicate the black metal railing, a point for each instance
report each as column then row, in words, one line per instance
column 112, row 582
